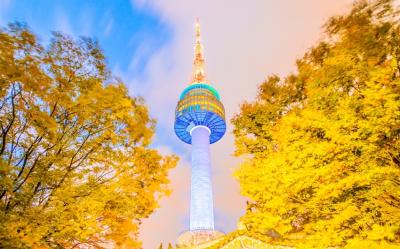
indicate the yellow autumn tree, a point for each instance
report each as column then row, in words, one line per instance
column 75, row 166
column 322, row 145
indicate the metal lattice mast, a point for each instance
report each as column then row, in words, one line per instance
column 198, row 63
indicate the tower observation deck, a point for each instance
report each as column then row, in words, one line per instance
column 200, row 121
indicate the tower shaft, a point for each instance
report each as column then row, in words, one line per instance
column 201, row 203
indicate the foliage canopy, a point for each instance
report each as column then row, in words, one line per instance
column 322, row 146
column 75, row 167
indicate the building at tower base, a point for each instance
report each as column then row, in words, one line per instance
column 191, row 239
column 237, row 241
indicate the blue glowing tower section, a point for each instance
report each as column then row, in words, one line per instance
column 200, row 121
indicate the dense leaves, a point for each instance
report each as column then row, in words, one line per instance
column 75, row 167
column 322, row 146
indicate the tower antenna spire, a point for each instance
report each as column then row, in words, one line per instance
column 198, row 63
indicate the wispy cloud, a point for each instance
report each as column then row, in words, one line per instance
column 108, row 28
column 85, row 22
column 5, row 5
column 80, row 25
column 140, row 4
column 171, row 225
column 62, row 23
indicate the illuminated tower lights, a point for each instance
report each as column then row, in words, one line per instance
column 200, row 121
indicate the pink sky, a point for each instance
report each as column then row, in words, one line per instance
column 244, row 42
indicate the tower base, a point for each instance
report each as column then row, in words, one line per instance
column 194, row 238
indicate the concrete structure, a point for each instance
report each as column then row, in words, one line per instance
column 200, row 121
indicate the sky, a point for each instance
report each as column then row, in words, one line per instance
column 149, row 45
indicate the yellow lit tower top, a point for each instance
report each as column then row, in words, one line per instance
column 199, row 103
